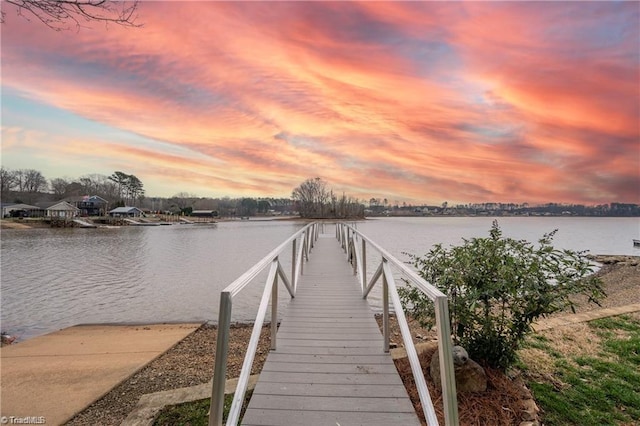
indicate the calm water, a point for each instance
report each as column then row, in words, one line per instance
column 54, row 278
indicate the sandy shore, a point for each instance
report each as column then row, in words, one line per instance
column 22, row 224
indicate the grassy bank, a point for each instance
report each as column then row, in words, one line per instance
column 588, row 374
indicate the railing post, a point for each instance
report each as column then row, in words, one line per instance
column 313, row 235
column 302, row 255
column 220, row 368
column 447, row 376
column 354, row 255
column 364, row 264
column 274, row 311
column 385, row 312
column 294, row 281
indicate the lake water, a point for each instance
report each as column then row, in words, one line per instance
column 54, row 278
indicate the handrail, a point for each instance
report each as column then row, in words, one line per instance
column 307, row 235
column 348, row 237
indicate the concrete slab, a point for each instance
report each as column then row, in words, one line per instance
column 58, row 375
column 560, row 321
column 150, row 405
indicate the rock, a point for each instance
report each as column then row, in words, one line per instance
column 530, row 410
column 528, row 416
column 7, row 339
column 398, row 353
column 470, row 376
column 460, row 355
column 530, row 405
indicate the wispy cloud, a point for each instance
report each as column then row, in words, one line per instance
column 421, row 101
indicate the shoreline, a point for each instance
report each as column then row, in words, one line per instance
column 41, row 223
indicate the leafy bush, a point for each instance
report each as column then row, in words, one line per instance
column 497, row 287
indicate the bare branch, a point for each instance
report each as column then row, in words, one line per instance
column 59, row 14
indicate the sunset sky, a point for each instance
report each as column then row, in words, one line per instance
column 417, row 102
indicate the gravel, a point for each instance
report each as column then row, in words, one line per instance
column 189, row 363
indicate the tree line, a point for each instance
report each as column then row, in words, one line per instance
column 311, row 199
column 30, row 186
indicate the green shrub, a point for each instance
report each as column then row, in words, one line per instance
column 497, row 287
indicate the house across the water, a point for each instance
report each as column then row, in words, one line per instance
column 21, row 210
column 59, row 210
column 90, row 205
column 125, row 212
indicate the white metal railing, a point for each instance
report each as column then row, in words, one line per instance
column 307, row 235
column 355, row 245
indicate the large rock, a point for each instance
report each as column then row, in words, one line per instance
column 470, row 376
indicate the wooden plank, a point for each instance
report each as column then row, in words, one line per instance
column 340, row 368
column 330, row 336
column 316, row 389
column 329, row 359
column 331, row 320
column 329, row 328
column 328, row 403
column 255, row 417
column 330, row 343
column 303, row 350
column 327, row 378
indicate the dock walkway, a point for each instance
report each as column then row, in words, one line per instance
column 329, row 367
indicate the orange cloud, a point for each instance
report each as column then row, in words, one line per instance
column 417, row 101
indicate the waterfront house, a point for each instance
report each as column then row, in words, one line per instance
column 59, row 209
column 90, row 205
column 125, row 212
column 20, row 210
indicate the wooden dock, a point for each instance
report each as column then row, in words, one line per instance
column 329, row 367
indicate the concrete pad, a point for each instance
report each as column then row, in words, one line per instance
column 58, row 375
column 569, row 319
column 150, row 405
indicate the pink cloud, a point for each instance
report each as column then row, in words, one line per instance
column 421, row 101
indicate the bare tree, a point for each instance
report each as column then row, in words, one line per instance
column 314, row 200
column 58, row 14
column 34, row 181
column 7, row 181
column 310, row 196
column 59, row 187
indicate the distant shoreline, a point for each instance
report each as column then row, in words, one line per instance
column 38, row 223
